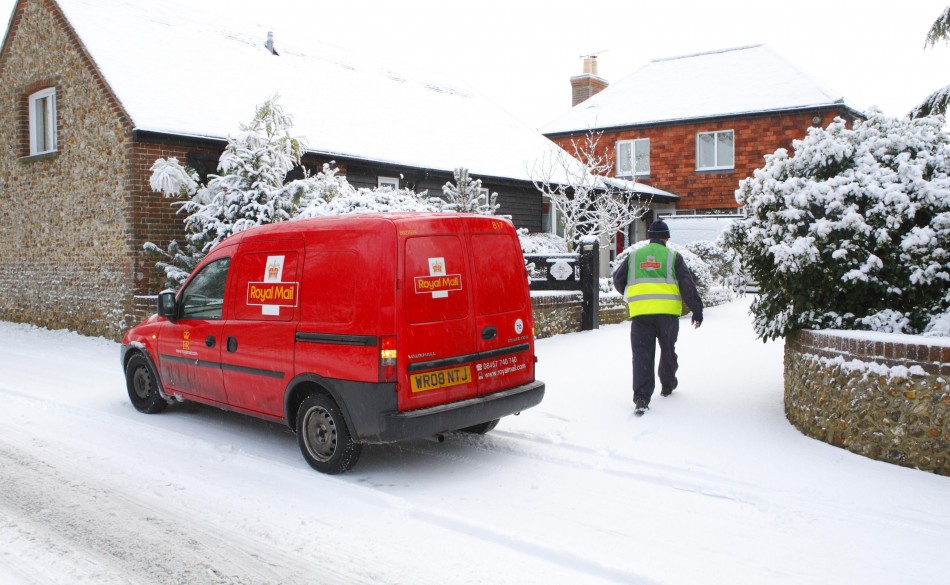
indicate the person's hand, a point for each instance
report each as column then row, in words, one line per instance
column 697, row 320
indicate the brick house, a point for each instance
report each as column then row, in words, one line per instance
column 698, row 124
column 94, row 92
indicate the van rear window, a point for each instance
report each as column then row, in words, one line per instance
column 437, row 281
column 499, row 269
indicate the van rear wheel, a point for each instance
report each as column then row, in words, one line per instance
column 142, row 384
column 324, row 439
column 481, row 429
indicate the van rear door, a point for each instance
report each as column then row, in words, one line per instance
column 437, row 339
column 503, row 320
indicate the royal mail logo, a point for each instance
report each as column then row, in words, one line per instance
column 273, row 272
column 272, row 294
column 429, row 284
column 650, row 264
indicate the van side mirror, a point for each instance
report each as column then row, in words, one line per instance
column 167, row 306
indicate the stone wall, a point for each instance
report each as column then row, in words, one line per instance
column 560, row 312
column 885, row 397
column 63, row 255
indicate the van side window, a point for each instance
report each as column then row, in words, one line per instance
column 499, row 270
column 203, row 298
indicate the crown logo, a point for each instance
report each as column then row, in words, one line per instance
column 272, row 271
column 437, row 268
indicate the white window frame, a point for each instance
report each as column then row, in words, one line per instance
column 628, row 164
column 49, row 121
column 717, row 165
column 392, row 182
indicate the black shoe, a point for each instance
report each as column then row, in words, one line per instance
column 641, row 406
column 667, row 390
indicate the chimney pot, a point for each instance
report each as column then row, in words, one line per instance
column 590, row 65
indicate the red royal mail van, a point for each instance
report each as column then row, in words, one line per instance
column 351, row 330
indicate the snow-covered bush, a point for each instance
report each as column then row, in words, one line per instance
column 541, row 242
column 852, row 231
column 702, row 276
column 331, row 194
column 722, row 262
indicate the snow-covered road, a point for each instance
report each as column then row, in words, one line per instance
column 711, row 486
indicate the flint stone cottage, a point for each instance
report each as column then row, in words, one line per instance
column 696, row 125
column 94, row 91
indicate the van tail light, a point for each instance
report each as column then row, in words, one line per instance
column 387, row 358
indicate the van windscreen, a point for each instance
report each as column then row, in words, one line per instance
column 500, row 272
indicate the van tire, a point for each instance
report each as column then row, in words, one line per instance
column 324, row 439
column 481, row 429
column 142, row 383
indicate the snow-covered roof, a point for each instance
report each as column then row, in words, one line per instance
column 737, row 81
column 198, row 69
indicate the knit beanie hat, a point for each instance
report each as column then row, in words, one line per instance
column 659, row 230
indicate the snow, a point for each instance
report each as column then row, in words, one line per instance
column 198, row 69
column 711, row 486
column 735, row 81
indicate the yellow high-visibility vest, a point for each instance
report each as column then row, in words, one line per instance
column 651, row 283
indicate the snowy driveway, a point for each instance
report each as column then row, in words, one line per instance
column 711, row 486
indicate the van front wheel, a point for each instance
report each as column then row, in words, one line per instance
column 142, row 384
column 324, row 438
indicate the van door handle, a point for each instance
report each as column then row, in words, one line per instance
column 232, row 344
column 210, row 341
column 489, row 333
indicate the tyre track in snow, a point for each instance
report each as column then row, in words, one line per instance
column 112, row 527
column 116, row 537
column 153, row 526
column 688, row 480
column 168, row 528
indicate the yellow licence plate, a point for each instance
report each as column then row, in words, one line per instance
column 440, row 378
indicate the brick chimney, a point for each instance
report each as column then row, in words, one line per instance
column 588, row 84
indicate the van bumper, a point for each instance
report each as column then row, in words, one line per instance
column 425, row 422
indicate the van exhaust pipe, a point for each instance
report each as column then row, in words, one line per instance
column 439, row 438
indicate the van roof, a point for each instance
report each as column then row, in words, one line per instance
column 350, row 220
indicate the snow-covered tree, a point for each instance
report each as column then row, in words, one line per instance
column 467, row 196
column 936, row 103
column 249, row 190
column 590, row 202
column 852, row 231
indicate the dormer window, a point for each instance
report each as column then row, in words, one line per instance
column 43, row 121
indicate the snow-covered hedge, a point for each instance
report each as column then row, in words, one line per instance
column 722, row 262
column 852, row 231
column 541, row 242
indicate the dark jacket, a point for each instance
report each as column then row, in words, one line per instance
column 684, row 279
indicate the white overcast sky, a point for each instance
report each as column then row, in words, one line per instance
column 522, row 54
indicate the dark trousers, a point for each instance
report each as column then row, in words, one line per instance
column 645, row 332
